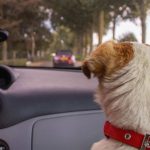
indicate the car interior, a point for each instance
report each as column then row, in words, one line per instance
column 46, row 102
column 48, row 109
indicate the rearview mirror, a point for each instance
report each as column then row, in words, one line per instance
column 3, row 35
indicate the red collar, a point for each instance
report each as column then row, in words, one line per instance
column 129, row 137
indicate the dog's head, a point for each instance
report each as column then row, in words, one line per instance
column 108, row 58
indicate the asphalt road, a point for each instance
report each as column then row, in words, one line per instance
column 47, row 64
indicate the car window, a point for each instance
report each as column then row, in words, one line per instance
column 64, row 52
column 34, row 32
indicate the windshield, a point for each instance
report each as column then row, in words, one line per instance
column 61, row 33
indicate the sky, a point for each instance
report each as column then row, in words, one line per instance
column 122, row 28
column 128, row 26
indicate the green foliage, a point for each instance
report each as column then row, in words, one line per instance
column 128, row 37
column 62, row 38
column 21, row 16
column 73, row 22
column 17, row 62
column 74, row 14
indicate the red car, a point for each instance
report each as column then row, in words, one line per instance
column 63, row 58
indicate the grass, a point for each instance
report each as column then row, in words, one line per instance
column 17, row 62
column 79, row 57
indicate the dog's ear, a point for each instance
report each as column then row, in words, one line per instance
column 93, row 66
column 86, row 69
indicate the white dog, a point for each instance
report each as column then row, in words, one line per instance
column 123, row 72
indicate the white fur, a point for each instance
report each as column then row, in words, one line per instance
column 128, row 105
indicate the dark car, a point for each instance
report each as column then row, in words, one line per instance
column 63, row 58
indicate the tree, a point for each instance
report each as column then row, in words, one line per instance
column 100, row 17
column 128, row 37
column 139, row 9
column 33, row 26
column 118, row 10
column 22, row 18
column 83, row 17
column 63, row 38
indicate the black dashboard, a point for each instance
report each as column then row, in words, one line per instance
column 7, row 77
column 26, row 93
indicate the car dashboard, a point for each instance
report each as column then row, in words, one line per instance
column 48, row 109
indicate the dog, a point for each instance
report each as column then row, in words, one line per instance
column 123, row 73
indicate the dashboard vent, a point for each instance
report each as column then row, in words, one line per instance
column 7, row 77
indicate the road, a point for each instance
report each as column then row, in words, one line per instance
column 47, row 64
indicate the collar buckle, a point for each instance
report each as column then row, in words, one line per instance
column 146, row 142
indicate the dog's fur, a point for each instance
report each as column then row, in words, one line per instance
column 123, row 72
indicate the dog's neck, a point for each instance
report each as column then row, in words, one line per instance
column 125, row 96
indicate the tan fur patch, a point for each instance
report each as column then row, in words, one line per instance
column 124, row 54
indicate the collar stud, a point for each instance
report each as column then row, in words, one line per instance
column 127, row 136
